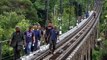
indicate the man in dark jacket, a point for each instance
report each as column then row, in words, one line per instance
column 17, row 42
column 47, row 34
column 53, row 39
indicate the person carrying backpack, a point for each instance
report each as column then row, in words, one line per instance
column 30, row 40
column 17, row 43
column 53, row 39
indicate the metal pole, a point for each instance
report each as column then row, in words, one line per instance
column 47, row 10
column 61, row 7
column 93, row 3
column 87, row 8
column 0, row 51
column 61, row 12
column 87, row 3
column 69, row 13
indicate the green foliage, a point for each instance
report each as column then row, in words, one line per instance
column 39, row 4
column 96, row 55
column 26, row 12
column 7, row 22
column 10, row 19
column 24, row 24
column 21, row 7
column 7, row 51
column 103, row 18
column 1, row 32
column 100, row 53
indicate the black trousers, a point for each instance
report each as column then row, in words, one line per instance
column 17, row 51
column 47, row 39
column 52, row 45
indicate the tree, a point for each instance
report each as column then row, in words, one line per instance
column 8, row 21
column 24, row 24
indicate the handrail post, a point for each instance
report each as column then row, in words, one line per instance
column 0, row 51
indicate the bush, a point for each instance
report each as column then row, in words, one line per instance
column 8, row 22
column 24, row 24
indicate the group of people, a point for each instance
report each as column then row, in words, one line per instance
column 29, row 40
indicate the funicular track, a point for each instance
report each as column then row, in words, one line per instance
column 71, row 55
column 70, row 49
column 70, row 42
column 63, row 42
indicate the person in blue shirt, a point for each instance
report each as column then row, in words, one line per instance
column 53, row 39
column 30, row 39
column 41, row 34
column 37, row 37
column 40, row 31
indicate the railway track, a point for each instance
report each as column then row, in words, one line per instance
column 71, row 40
column 69, row 52
column 68, row 46
column 85, row 38
column 70, row 43
column 60, row 45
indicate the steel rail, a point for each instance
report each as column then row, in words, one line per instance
column 62, row 55
column 69, row 50
column 58, row 45
column 70, row 42
column 45, row 53
column 77, row 41
column 85, row 38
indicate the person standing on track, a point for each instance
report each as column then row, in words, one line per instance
column 30, row 39
column 17, row 43
column 40, row 35
column 94, row 14
column 37, row 37
column 47, row 33
column 53, row 39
